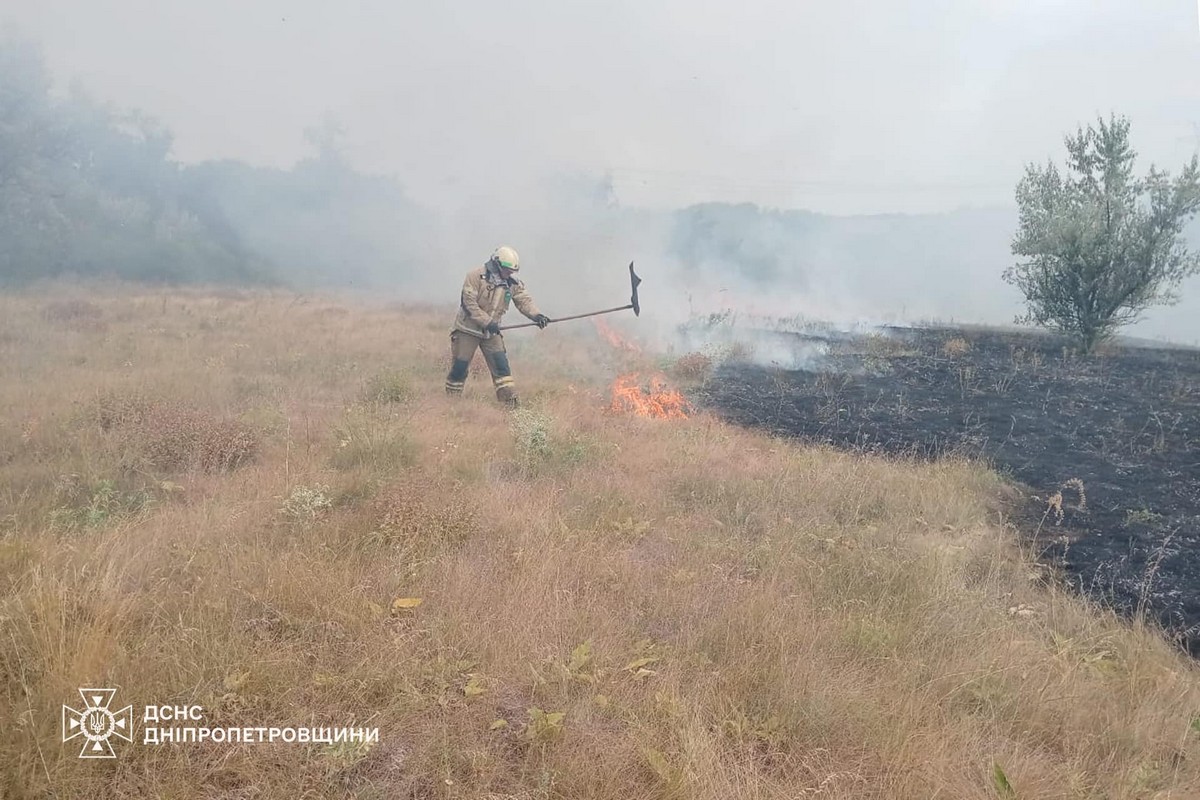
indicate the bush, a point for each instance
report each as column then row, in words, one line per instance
column 176, row 438
column 388, row 387
column 172, row 436
column 408, row 518
column 93, row 505
column 118, row 410
column 531, row 432
column 306, row 503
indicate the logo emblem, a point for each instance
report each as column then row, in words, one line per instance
column 96, row 723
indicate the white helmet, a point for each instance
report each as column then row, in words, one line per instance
column 506, row 257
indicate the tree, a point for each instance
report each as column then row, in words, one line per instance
column 1100, row 245
column 86, row 190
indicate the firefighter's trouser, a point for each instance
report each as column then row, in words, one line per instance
column 462, row 350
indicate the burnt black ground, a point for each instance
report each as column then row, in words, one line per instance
column 1126, row 423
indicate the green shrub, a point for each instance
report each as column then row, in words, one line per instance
column 531, row 432
column 94, row 505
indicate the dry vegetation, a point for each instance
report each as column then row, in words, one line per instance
column 217, row 498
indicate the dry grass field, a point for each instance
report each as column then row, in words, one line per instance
column 217, row 499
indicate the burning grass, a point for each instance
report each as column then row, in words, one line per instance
column 614, row 339
column 649, row 398
column 681, row 610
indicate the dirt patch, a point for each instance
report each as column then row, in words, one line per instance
column 1108, row 445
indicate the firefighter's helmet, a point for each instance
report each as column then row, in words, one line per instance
column 506, row 257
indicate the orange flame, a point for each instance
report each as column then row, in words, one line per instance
column 658, row 401
column 613, row 338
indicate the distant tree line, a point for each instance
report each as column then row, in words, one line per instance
column 90, row 191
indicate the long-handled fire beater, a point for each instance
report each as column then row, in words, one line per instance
column 634, row 280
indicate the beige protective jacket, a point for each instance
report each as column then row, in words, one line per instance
column 485, row 298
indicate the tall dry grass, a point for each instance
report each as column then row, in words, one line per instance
column 611, row 607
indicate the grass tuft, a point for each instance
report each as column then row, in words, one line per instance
column 692, row 367
column 531, row 430
column 389, row 386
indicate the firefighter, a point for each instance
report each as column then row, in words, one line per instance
column 486, row 293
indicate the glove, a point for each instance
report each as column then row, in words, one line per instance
column 541, row 320
column 492, row 327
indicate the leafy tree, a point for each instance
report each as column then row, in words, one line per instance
column 1101, row 246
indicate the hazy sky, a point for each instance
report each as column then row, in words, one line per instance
column 838, row 106
column 848, row 107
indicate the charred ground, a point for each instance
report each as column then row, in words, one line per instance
column 1124, row 426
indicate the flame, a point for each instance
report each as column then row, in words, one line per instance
column 613, row 338
column 658, row 401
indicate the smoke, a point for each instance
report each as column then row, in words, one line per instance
column 94, row 190
column 778, row 287
column 772, row 287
